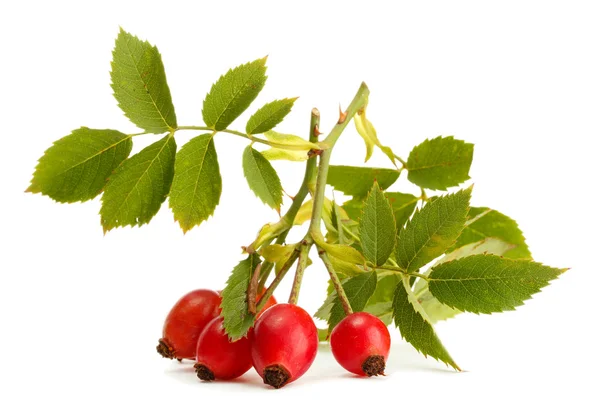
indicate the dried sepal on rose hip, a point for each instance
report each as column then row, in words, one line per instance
column 185, row 322
column 361, row 344
column 284, row 344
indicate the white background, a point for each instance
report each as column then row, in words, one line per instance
column 81, row 312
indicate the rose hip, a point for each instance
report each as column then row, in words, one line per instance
column 361, row 344
column 185, row 322
column 219, row 358
column 284, row 345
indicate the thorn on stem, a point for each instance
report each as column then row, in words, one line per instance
column 316, row 131
column 313, row 152
column 343, row 116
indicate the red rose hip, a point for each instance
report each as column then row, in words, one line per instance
column 361, row 344
column 219, row 358
column 284, row 344
column 185, row 322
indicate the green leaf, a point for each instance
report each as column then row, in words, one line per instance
column 353, row 208
column 278, row 254
column 367, row 131
column 386, row 284
column 234, row 305
column 233, row 93
column 377, row 227
column 196, row 188
column 432, row 230
column 269, row 116
column 262, row 178
column 289, row 141
column 342, row 253
column 357, row 181
column 140, row 84
column 403, row 205
column 76, row 167
column 440, row 163
column 138, row 187
column 436, row 310
column 484, row 222
column 488, row 283
column 415, row 326
column 277, row 154
column 305, row 212
column 358, row 290
column 383, row 310
column 337, row 217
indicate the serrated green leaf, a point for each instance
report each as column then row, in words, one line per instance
column 432, row 230
column 76, row 167
column 436, row 310
column 415, row 326
column 234, row 305
column 488, row 283
column 325, row 309
column 269, row 116
column 233, row 93
column 140, row 84
column 484, row 222
column 278, row 254
column 403, row 206
column 138, row 187
column 262, row 178
column 342, row 253
column 358, row 290
column 440, row 163
column 377, row 227
column 196, row 188
column 289, row 141
column 357, row 181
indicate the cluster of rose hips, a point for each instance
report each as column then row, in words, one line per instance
column 281, row 346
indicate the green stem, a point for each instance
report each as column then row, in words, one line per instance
column 356, row 104
column 335, row 280
column 243, row 135
column 278, row 278
column 287, row 221
column 302, row 264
